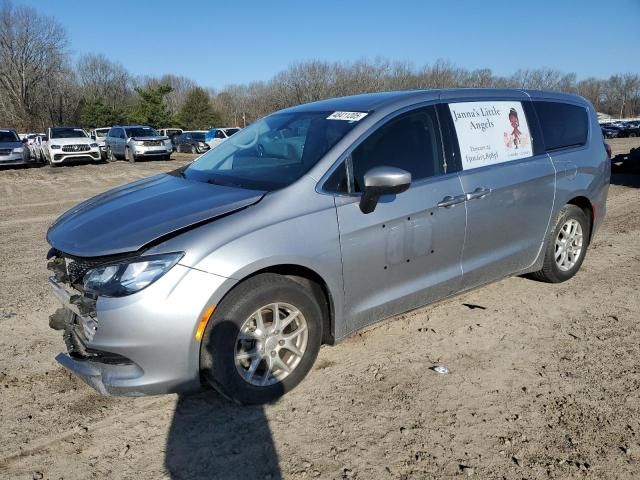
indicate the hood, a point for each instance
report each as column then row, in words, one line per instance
column 127, row 218
column 71, row 141
column 11, row 144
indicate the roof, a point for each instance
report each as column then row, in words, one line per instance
column 369, row 102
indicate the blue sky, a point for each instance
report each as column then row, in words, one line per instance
column 223, row 42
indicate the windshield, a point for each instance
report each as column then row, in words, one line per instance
column 271, row 153
column 102, row 133
column 62, row 132
column 8, row 136
column 231, row 131
column 141, row 132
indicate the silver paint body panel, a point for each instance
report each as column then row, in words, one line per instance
column 407, row 253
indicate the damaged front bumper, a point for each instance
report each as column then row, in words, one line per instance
column 141, row 344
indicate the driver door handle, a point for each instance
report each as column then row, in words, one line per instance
column 479, row 192
column 451, row 201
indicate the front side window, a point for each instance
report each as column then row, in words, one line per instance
column 64, row 132
column 272, row 152
column 410, row 141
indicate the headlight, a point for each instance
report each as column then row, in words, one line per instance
column 55, row 147
column 94, row 145
column 18, row 150
column 202, row 144
column 167, row 142
column 138, row 142
column 121, row 279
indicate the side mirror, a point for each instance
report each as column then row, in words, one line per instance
column 381, row 181
column 93, row 137
column 24, row 140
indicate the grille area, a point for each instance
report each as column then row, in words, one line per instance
column 76, row 268
column 152, row 143
column 75, row 148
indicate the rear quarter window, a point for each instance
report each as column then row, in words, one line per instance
column 563, row 125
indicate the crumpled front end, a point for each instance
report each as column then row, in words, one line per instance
column 141, row 344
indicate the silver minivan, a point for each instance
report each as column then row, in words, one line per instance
column 315, row 222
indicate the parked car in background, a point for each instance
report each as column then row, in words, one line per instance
column 216, row 136
column 623, row 129
column 191, row 142
column 235, row 268
column 172, row 133
column 12, row 149
column 65, row 144
column 38, row 148
column 133, row 142
column 610, row 132
column 100, row 136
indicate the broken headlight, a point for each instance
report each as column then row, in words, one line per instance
column 120, row 279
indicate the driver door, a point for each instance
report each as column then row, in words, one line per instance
column 407, row 252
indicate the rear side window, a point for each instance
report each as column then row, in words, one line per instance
column 410, row 141
column 563, row 125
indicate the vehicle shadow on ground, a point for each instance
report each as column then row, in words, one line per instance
column 211, row 437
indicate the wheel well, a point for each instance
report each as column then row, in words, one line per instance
column 319, row 288
column 586, row 206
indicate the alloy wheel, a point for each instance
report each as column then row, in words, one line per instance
column 271, row 344
column 569, row 242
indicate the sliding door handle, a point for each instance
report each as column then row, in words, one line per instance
column 479, row 192
column 450, row 201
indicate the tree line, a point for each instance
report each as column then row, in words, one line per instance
column 40, row 85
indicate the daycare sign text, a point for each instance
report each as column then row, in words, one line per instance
column 491, row 132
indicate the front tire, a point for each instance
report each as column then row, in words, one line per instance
column 566, row 246
column 263, row 338
column 130, row 157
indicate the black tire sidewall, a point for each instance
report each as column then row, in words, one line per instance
column 218, row 345
column 568, row 212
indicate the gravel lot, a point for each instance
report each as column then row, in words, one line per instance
column 544, row 379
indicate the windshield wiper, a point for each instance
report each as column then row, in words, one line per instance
column 224, row 183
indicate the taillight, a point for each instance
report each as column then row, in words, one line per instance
column 607, row 147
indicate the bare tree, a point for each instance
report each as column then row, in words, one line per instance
column 100, row 78
column 32, row 48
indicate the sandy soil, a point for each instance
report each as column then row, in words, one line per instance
column 544, row 379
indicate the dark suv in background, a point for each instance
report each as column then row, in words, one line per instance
column 191, row 142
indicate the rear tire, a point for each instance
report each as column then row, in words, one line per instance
column 252, row 368
column 566, row 246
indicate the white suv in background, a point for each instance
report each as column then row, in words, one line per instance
column 69, row 143
column 100, row 135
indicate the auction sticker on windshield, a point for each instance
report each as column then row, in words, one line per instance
column 348, row 116
column 491, row 132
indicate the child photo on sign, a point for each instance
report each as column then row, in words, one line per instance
column 516, row 138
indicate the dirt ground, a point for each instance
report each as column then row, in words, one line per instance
column 544, row 379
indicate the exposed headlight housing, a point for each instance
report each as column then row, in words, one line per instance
column 130, row 276
column 55, row 147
